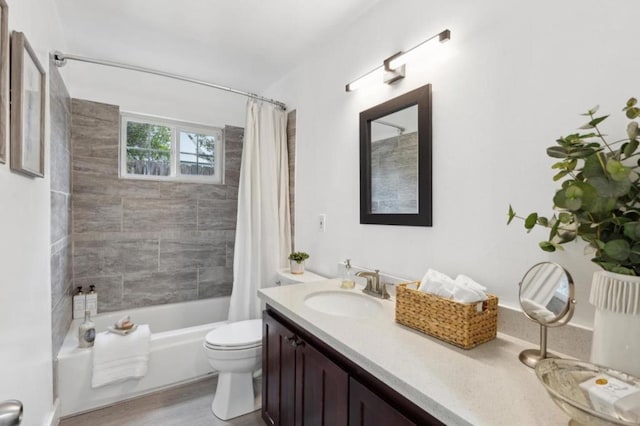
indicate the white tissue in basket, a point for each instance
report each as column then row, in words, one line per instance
column 463, row 289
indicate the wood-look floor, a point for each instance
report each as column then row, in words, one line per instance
column 187, row 405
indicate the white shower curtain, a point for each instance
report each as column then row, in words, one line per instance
column 263, row 230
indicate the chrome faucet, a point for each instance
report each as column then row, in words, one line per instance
column 374, row 286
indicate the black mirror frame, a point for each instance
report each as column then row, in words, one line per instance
column 422, row 98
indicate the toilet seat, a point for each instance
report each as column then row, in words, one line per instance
column 235, row 336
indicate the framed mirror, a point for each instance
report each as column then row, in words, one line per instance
column 395, row 161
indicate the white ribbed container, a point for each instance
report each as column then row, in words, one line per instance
column 616, row 327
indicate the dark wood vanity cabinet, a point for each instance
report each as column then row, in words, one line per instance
column 300, row 385
column 305, row 382
column 367, row 408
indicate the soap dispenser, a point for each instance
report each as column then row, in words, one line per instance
column 348, row 281
column 79, row 303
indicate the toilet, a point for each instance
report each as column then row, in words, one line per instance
column 235, row 351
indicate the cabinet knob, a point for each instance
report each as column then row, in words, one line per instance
column 295, row 341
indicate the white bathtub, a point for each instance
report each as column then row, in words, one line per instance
column 177, row 334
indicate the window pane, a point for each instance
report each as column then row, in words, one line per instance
column 148, row 149
column 197, row 154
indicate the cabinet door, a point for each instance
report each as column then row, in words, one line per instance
column 278, row 373
column 368, row 409
column 322, row 389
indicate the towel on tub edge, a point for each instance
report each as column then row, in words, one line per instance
column 117, row 358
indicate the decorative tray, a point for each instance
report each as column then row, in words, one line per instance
column 565, row 379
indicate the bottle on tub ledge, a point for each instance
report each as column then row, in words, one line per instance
column 86, row 331
column 92, row 301
column 79, row 303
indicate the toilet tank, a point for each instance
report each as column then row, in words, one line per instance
column 284, row 277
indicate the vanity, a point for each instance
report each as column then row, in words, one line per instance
column 337, row 357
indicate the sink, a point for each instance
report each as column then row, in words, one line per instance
column 343, row 303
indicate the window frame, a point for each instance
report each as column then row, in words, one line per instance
column 176, row 127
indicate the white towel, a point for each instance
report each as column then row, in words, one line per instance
column 463, row 289
column 470, row 283
column 117, row 358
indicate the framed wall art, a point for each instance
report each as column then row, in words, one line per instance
column 28, row 80
column 4, row 80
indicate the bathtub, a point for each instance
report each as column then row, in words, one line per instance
column 177, row 334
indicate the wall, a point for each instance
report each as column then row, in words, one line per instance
column 60, row 108
column 25, row 289
column 147, row 242
column 512, row 79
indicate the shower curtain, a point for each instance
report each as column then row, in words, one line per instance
column 263, row 230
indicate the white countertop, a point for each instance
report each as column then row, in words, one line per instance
column 486, row 385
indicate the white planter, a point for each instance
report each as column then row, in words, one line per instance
column 297, row 268
column 616, row 327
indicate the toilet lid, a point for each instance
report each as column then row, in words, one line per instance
column 236, row 335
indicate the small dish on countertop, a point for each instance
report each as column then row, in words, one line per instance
column 122, row 331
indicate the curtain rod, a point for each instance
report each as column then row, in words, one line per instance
column 61, row 59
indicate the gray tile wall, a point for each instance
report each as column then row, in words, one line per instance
column 147, row 242
column 291, row 150
column 394, row 174
column 60, row 171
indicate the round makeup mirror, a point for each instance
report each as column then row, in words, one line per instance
column 547, row 298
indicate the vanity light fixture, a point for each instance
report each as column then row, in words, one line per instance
column 393, row 68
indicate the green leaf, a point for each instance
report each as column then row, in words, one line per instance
column 565, row 217
column 554, row 229
column 634, row 257
column 557, row 152
column 617, row 170
column 631, row 102
column 530, row 221
column 597, row 120
column 592, row 167
column 630, row 147
column 560, row 175
column 580, row 152
column 547, row 246
column 610, row 188
column 633, row 113
column 511, row 214
column 592, row 110
column 543, row 221
column 622, row 270
column 632, row 231
column 632, row 130
column 617, row 249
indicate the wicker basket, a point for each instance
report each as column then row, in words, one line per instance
column 461, row 324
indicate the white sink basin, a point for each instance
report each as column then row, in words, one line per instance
column 344, row 303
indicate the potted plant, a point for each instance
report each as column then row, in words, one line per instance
column 599, row 202
column 296, row 260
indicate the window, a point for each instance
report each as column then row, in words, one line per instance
column 162, row 149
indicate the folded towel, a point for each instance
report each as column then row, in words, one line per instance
column 468, row 282
column 434, row 280
column 117, row 358
column 463, row 289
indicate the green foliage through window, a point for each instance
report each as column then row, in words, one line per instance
column 171, row 149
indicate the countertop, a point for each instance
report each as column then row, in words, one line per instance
column 486, row 385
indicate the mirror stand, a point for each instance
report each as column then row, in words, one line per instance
column 547, row 298
column 531, row 357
